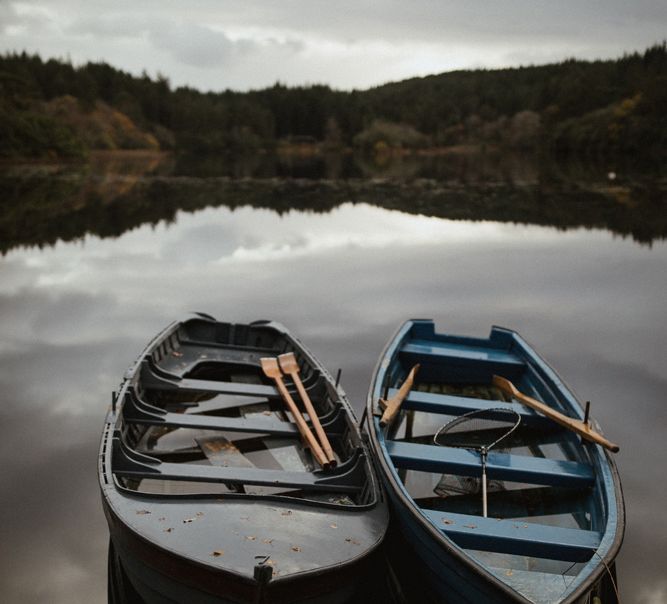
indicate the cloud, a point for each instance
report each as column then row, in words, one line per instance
column 108, row 25
column 431, row 21
column 195, row 45
column 185, row 43
column 206, row 47
column 214, row 45
column 8, row 16
column 16, row 18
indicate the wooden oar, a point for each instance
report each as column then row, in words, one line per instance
column 582, row 428
column 272, row 370
column 392, row 406
column 290, row 367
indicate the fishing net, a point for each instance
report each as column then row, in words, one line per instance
column 480, row 430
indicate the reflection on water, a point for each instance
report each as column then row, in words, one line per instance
column 127, row 248
column 116, row 193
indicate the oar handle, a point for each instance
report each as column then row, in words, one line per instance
column 583, row 429
column 319, row 430
column 301, row 424
column 289, row 366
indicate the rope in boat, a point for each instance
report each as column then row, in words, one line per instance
column 611, row 577
column 596, row 599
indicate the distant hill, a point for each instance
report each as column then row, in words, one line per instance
column 601, row 108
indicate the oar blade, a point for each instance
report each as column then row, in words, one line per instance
column 288, row 363
column 270, row 367
column 582, row 429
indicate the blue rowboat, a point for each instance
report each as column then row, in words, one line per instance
column 555, row 509
column 209, row 492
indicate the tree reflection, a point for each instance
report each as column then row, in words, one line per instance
column 117, row 192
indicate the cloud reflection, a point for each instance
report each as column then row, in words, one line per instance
column 75, row 315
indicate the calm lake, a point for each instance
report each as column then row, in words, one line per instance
column 96, row 259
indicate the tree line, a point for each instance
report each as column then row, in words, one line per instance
column 594, row 108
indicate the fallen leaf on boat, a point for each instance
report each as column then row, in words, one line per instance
column 200, row 514
column 267, row 541
column 217, row 446
column 447, row 521
column 470, row 526
column 176, row 353
column 333, row 525
column 250, row 537
column 187, row 520
column 168, row 530
column 509, row 573
column 143, row 512
column 218, row 552
column 286, row 512
column 296, row 548
column 350, row 540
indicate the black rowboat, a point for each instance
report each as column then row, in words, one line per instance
column 209, row 492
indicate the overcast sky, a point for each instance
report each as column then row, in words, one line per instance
column 218, row 44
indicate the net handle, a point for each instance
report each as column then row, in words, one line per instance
column 483, row 454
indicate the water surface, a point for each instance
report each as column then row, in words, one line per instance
column 98, row 259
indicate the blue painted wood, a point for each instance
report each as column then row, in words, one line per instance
column 500, row 466
column 535, row 501
column 513, row 537
column 458, row 405
column 452, row 573
column 477, row 354
column 453, row 362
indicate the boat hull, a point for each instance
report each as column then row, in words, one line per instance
column 158, row 575
column 442, row 569
column 251, row 519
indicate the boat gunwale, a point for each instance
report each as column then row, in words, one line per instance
column 606, row 472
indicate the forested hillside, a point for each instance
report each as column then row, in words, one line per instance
column 602, row 108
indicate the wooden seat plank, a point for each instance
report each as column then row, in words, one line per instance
column 516, row 537
column 500, row 466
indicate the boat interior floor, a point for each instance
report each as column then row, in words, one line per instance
column 540, row 492
column 202, row 418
